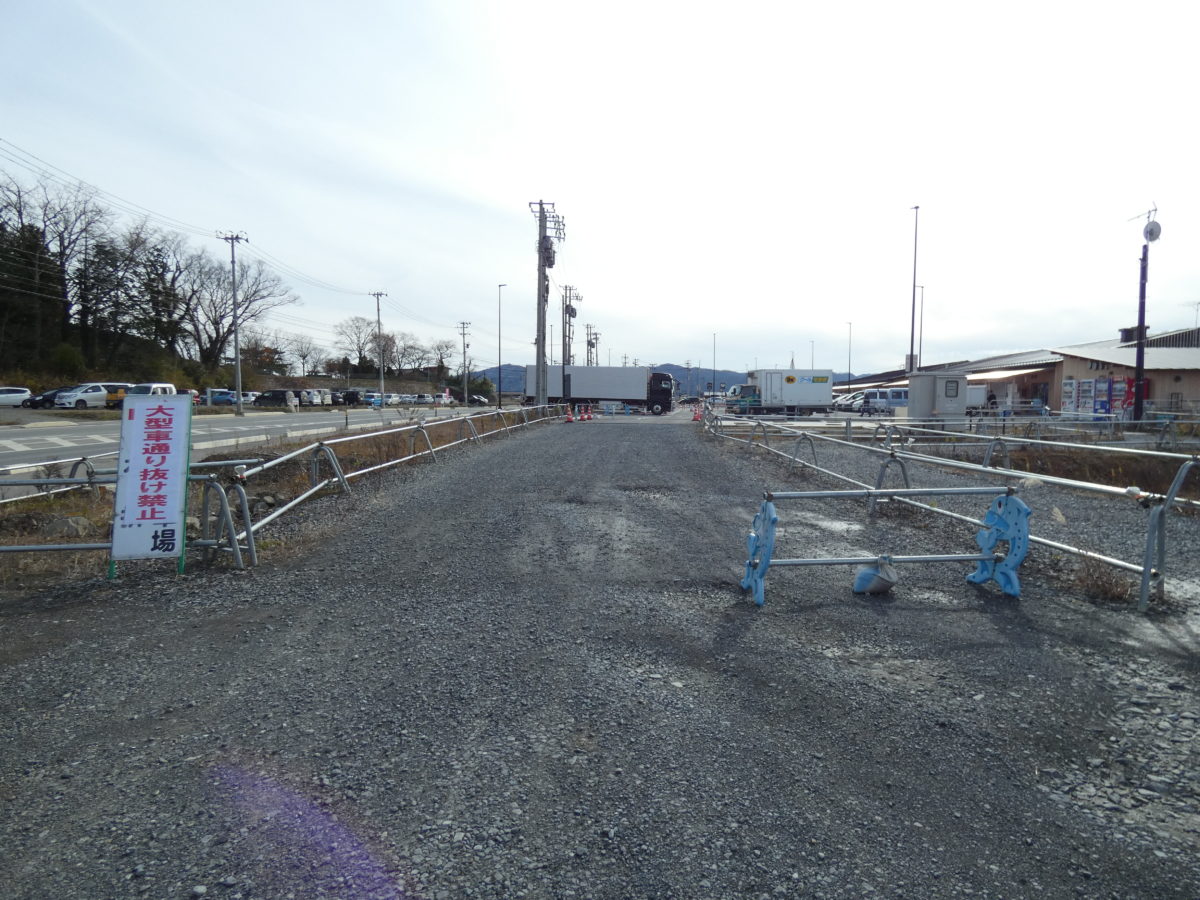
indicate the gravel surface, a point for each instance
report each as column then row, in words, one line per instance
column 527, row 671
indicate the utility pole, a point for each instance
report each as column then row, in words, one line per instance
column 551, row 227
column 233, row 238
column 499, row 348
column 593, row 345
column 462, row 329
column 570, row 298
column 379, row 345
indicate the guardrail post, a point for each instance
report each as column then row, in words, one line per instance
column 224, row 522
column 1155, row 559
column 887, row 464
column 796, row 451
column 992, row 445
column 428, row 443
column 239, row 491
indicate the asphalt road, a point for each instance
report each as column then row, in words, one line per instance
column 527, row 671
column 36, row 436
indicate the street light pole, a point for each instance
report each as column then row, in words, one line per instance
column 714, row 363
column 849, row 345
column 912, row 333
column 499, row 365
column 921, row 337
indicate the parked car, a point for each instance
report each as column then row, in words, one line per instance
column 115, row 391
column 335, row 398
column 149, row 388
column 45, row 400
column 849, row 402
column 90, row 395
column 221, row 397
column 352, row 397
column 15, row 396
column 882, row 401
column 426, row 399
column 391, row 399
column 274, row 398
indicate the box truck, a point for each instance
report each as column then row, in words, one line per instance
column 634, row 385
column 788, row 392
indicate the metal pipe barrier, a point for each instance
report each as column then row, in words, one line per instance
column 217, row 527
column 1007, row 519
column 1151, row 570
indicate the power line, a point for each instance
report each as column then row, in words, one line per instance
column 48, row 170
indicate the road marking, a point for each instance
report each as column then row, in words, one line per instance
column 13, row 445
column 58, row 442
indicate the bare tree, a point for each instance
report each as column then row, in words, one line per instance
column 356, row 336
column 304, row 348
column 411, row 354
column 210, row 320
column 442, row 352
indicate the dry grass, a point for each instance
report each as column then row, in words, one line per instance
column 1101, row 582
column 1115, row 469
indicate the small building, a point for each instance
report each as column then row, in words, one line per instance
column 1098, row 376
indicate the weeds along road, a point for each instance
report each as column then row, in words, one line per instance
column 526, row 671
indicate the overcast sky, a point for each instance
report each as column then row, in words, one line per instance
column 745, row 170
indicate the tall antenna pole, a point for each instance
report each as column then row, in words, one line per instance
column 379, row 345
column 233, row 240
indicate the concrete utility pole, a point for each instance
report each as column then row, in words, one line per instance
column 379, row 345
column 233, row 239
column 551, row 227
column 570, row 298
column 499, row 348
column 462, row 329
column 593, row 346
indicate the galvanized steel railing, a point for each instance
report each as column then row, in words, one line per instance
column 219, row 501
column 1151, row 569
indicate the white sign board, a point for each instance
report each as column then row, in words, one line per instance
column 151, row 508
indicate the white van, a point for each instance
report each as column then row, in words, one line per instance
column 153, row 388
column 883, row 401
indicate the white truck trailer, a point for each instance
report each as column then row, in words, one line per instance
column 789, row 392
column 634, row 385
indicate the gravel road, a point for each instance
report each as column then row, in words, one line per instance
column 527, row 671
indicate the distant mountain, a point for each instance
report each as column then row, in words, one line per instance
column 512, row 377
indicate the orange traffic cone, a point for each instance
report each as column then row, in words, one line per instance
column 697, row 416
column 570, row 417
